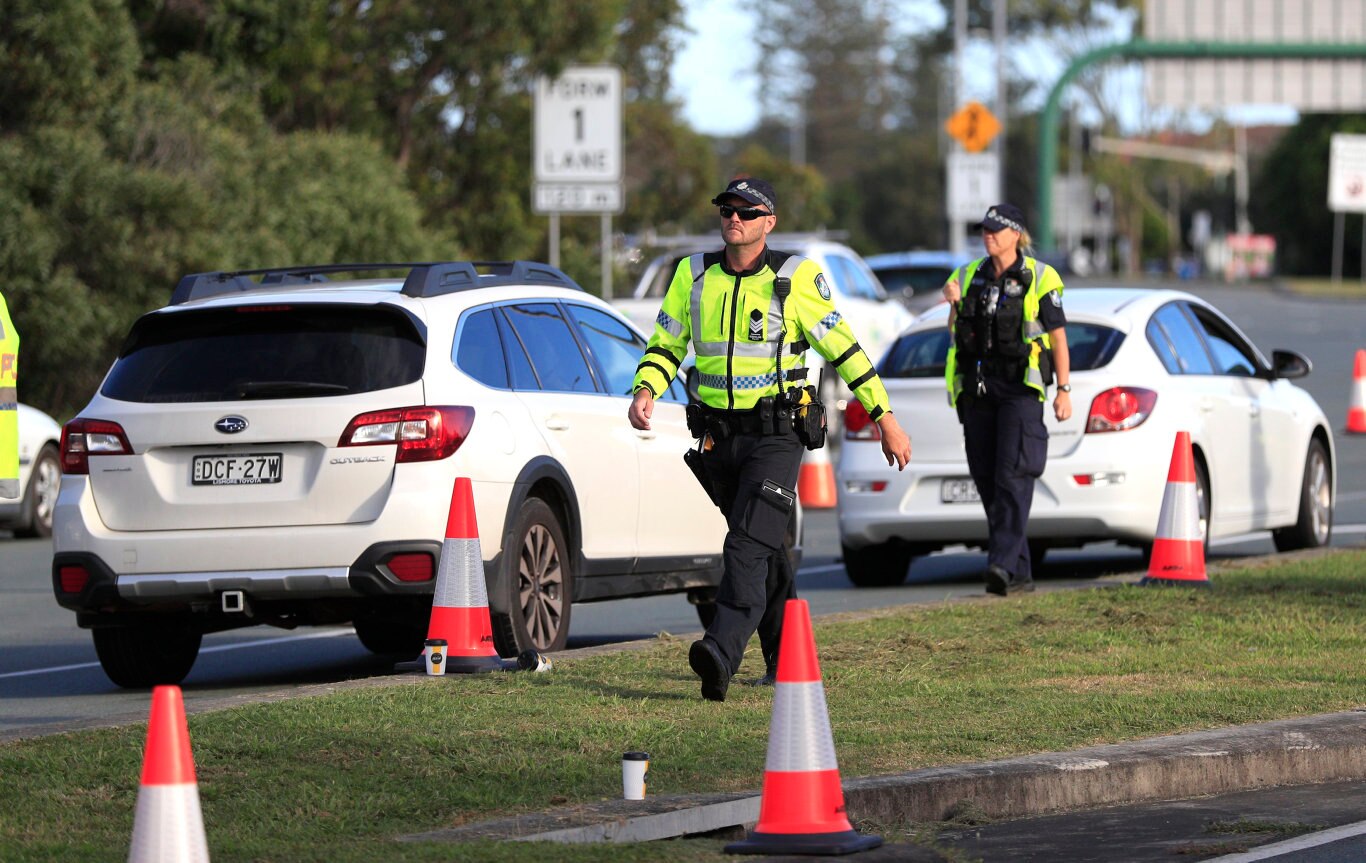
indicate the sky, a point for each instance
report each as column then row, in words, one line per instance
column 713, row 74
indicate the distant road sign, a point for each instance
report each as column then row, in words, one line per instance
column 973, row 181
column 1347, row 174
column 577, row 198
column 973, row 126
column 578, row 126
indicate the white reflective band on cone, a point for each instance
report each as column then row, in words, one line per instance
column 799, row 738
column 460, row 578
column 168, row 826
column 1180, row 518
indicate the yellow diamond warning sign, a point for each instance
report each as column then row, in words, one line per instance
column 973, row 126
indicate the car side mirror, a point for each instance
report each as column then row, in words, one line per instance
column 1290, row 364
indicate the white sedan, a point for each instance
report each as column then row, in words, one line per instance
column 1146, row 364
column 40, row 475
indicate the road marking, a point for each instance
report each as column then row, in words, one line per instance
column 217, row 648
column 1299, row 843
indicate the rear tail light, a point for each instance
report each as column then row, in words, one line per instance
column 73, row 579
column 411, row 566
column 857, row 424
column 421, row 433
column 1120, row 409
column 83, row 438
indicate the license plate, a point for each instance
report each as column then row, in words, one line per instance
column 959, row 490
column 237, row 469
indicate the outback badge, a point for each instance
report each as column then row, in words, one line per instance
column 231, row 424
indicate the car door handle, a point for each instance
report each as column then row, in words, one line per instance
column 1254, row 409
column 1206, row 405
column 645, row 434
column 555, row 422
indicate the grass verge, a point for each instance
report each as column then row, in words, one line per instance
column 335, row 778
column 1347, row 288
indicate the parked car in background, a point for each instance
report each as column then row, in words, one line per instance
column 855, row 290
column 1146, row 364
column 277, row 448
column 916, row 277
column 40, row 475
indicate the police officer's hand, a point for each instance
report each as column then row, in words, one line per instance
column 642, row 406
column 896, row 444
column 953, row 292
column 1062, row 405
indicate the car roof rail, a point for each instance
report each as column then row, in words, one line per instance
column 426, row 279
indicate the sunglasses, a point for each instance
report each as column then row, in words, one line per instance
column 747, row 214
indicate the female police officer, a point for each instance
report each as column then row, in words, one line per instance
column 1008, row 340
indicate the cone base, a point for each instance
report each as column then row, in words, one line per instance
column 473, row 664
column 1356, row 421
column 1152, row 581
column 846, row 842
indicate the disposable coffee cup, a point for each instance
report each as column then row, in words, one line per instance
column 435, row 654
column 635, row 773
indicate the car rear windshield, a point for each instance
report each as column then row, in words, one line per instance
column 266, row 352
column 922, row 354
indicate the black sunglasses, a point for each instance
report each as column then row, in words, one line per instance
column 747, row 214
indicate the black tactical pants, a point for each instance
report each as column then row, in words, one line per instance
column 1007, row 446
column 757, row 579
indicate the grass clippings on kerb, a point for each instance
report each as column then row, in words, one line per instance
column 335, row 778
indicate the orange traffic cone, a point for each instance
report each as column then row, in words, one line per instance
column 1179, row 549
column 168, row 826
column 460, row 604
column 816, row 482
column 801, row 810
column 1356, row 413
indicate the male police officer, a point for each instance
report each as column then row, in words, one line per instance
column 750, row 313
column 9, row 405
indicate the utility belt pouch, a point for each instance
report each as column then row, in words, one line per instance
column 768, row 512
column 809, row 419
column 693, row 459
column 766, row 410
column 696, row 418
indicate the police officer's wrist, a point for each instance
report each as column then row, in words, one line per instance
column 1064, row 388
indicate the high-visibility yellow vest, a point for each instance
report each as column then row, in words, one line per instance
column 734, row 323
column 1044, row 279
column 9, row 405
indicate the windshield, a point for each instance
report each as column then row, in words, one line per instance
column 922, row 354
column 266, row 352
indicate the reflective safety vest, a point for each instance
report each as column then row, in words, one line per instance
column 734, row 323
column 9, row 405
column 1043, row 279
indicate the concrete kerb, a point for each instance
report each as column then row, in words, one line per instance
column 1325, row 748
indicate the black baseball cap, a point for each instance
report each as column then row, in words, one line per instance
column 1003, row 216
column 752, row 189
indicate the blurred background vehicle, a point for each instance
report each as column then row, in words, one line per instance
column 1145, row 365
column 40, row 475
column 916, row 277
column 856, row 291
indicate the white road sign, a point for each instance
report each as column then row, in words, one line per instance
column 578, row 126
column 973, row 182
column 577, row 198
column 1347, row 174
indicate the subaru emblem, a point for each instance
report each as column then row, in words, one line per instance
column 231, row 424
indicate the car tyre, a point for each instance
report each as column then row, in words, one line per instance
column 538, row 577
column 1314, row 525
column 40, row 497
column 389, row 637
column 882, row 565
column 149, row 653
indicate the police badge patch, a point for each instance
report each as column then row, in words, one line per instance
column 1057, row 300
column 823, row 286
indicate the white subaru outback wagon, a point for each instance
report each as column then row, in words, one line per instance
column 278, row 447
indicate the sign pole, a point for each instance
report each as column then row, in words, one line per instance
column 554, row 240
column 607, row 256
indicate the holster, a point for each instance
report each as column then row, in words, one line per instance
column 693, row 459
column 808, row 419
column 696, row 417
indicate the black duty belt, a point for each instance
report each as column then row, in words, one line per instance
column 763, row 419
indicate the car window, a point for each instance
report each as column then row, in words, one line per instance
column 1178, row 344
column 852, row 280
column 520, row 372
column 663, row 277
column 616, row 349
column 1232, row 355
column 560, row 365
column 266, row 352
column 921, row 280
column 479, row 350
column 923, row 353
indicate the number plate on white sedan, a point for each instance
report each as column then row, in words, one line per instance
column 237, row 469
column 959, row 490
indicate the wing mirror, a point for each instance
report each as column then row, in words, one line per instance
column 1290, row 364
